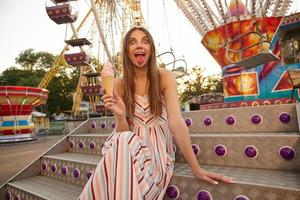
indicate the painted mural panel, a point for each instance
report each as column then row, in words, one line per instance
column 241, row 84
column 239, row 40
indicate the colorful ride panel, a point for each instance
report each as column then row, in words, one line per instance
column 16, row 105
column 266, row 78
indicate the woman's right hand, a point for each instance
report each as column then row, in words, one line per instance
column 211, row 177
column 115, row 104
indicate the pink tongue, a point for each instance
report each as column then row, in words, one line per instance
column 140, row 59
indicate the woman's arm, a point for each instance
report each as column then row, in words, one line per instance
column 116, row 105
column 180, row 131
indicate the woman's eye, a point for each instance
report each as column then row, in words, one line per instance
column 131, row 42
column 146, row 41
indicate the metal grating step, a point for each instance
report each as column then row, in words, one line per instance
column 250, row 184
column 86, row 143
column 42, row 187
column 90, row 135
column 249, row 151
column 75, row 157
column 73, row 168
column 245, row 133
column 262, row 177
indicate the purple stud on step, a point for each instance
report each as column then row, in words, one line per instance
column 251, row 151
column 92, row 145
column 172, row 192
column 113, row 124
column 93, row 125
column 81, row 144
column 174, row 148
column 220, row 150
column 241, row 197
column 256, row 119
column 204, row 195
column 71, row 144
column 196, row 149
column 17, row 197
column 89, row 174
column 287, row 153
column 76, row 173
column 53, row 168
column 44, row 166
column 188, row 122
column 7, row 195
column 64, row 170
column 103, row 124
column 284, row 117
column 230, row 120
column 207, row 121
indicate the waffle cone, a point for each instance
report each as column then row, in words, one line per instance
column 108, row 84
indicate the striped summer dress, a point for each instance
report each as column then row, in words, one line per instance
column 136, row 164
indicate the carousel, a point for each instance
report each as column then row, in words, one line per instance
column 16, row 106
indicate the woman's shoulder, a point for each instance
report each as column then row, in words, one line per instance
column 164, row 72
column 167, row 77
column 118, row 80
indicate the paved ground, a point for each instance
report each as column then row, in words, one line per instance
column 14, row 157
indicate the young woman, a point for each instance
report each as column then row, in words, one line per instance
column 138, row 157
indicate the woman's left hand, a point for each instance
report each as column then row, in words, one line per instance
column 211, row 177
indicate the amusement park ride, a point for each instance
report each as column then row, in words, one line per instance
column 248, row 40
column 257, row 45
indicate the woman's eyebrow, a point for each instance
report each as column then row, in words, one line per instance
column 132, row 38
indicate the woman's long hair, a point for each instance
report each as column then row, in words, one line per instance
column 154, row 93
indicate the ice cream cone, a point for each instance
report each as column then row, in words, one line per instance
column 107, row 76
column 108, row 84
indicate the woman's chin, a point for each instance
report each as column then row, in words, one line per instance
column 144, row 64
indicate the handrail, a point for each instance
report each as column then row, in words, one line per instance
column 181, row 59
column 170, row 52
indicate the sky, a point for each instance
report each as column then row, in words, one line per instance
column 25, row 24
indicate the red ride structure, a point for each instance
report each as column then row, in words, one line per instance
column 16, row 106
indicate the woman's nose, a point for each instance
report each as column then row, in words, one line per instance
column 139, row 44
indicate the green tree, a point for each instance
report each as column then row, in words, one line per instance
column 196, row 84
column 15, row 76
column 61, row 89
column 30, row 60
column 33, row 67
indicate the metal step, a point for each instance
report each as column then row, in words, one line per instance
column 267, row 148
column 272, row 118
column 245, row 133
column 99, row 125
column 262, row 119
column 86, row 143
column 231, row 149
column 74, row 168
column 249, row 183
column 42, row 187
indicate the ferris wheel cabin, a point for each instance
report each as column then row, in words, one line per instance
column 62, row 14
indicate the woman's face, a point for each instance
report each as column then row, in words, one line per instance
column 139, row 48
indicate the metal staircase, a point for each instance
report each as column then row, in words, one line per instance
column 258, row 147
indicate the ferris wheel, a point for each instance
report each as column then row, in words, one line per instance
column 98, row 32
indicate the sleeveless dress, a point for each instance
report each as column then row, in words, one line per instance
column 136, row 164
